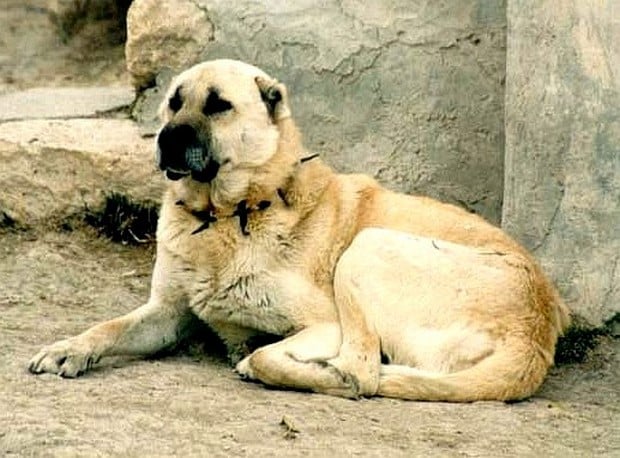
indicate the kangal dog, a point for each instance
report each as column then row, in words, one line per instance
column 373, row 292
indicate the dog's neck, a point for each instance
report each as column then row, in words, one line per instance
column 207, row 217
column 293, row 178
column 286, row 195
column 308, row 176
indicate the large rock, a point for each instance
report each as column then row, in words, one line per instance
column 409, row 93
column 53, row 168
column 164, row 33
column 562, row 194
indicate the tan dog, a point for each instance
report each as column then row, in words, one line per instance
column 257, row 236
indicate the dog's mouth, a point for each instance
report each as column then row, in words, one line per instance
column 176, row 175
column 207, row 173
column 203, row 175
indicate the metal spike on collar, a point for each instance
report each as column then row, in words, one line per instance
column 309, row 158
column 207, row 217
column 242, row 211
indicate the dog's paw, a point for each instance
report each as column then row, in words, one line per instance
column 363, row 378
column 65, row 358
column 244, row 369
column 346, row 386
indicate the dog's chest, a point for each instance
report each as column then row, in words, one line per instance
column 257, row 287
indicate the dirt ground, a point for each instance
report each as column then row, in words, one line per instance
column 33, row 54
column 55, row 283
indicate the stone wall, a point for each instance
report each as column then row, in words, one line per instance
column 562, row 190
column 410, row 92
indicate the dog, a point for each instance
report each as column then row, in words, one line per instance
column 371, row 291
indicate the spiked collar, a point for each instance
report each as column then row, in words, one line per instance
column 242, row 210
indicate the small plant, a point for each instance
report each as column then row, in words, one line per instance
column 575, row 345
column 125, row 221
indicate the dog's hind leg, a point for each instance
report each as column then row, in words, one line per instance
column 301, row 362
column 359, row 356
column 460, row 324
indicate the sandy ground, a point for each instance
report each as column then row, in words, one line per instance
column 54, row 284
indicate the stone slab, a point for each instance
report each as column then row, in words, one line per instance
column 63, row 102
column 52, row 168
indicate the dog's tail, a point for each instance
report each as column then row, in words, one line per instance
column 514, row 371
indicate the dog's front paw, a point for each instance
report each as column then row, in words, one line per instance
column 66, row 358
column 244, row 369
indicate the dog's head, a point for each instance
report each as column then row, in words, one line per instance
column 220, row 124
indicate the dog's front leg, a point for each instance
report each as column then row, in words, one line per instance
column 144, row 331
column 300, row 362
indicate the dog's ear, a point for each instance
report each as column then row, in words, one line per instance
column 275, row 97
column 171, row 103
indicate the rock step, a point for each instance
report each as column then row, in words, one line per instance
column 53, row 168
column 64, row 102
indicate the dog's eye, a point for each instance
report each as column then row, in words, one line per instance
column 175, row 103
column 215, row 104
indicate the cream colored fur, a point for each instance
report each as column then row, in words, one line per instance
column 343, row 269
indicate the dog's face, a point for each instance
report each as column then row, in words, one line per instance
column 218, row 125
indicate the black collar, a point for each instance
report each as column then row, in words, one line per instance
column 242, row 210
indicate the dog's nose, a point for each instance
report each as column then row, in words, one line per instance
column 173, row 142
